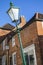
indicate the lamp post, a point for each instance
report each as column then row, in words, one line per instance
column 13, row 12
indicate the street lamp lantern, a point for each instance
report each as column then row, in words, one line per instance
column 13, row 12
column 14, row 15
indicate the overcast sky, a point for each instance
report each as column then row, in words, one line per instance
column 27, row 8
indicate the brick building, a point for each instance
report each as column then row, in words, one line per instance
column 32, row 41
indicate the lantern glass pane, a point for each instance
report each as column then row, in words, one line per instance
column 11, row 14
column 14, row 14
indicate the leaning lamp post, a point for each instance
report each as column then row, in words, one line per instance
column 14, row 15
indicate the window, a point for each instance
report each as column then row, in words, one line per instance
column 30, row 56
column 14, row 58
column 4, row 43
column 4, row 60
column 11, row 60
column 29, row 59
column 0, row 61
column 13, row 41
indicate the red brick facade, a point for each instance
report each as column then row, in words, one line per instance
column 31, row 33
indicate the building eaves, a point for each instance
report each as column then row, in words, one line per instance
column 4, row 28
column 30, row 21
column 36, row 17
column 4, row 32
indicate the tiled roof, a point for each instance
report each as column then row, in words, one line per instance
column 36, row 17
column 8, row 26
column 4, row 32
column 9, row 29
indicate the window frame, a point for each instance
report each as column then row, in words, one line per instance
column 28, row 49
column 4, row 60
column 4, row 43
column 13, row 58
column 13, row 41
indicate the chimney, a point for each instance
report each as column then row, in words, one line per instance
column 37, row 15
column 22, row 22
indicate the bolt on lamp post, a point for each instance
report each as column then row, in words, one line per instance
column 14, row 15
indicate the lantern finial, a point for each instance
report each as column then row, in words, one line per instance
column 11, row 4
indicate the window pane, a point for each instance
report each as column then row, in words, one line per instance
column 31, row 60
column 14, row 59
column 0, row 61
column 4, row 60
column 27, row 59
column 11, row 61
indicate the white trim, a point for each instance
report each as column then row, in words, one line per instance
column 31, row 50
column 13, row 41
column 3, row 43
column 4, row 60
column 14, row 53
column 13, row 57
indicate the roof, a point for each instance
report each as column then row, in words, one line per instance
column 36, row 17
column 8, row 29
column 4, row 32
column 8, row 26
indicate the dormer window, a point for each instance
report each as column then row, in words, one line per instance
column 13, row 41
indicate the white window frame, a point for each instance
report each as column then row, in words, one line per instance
column 3, row 43
column 13, row 41
column 13, row 58
column 29, row 51
column 4, row 60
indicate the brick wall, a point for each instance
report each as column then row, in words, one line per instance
column 29, row 36
column 41, row 46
